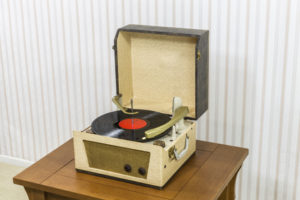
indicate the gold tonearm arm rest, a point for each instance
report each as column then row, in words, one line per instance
column 116, row 100
column 178, row 115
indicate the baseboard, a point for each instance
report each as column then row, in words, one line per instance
column 15, row 161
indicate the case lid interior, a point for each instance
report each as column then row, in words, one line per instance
column 153, row 68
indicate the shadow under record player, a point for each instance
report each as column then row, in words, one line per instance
column 162, row 89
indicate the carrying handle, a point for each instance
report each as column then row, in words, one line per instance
column 178, row 115
column 183, row 152
column 116, row 100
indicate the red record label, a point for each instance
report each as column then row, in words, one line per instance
column 132, row 123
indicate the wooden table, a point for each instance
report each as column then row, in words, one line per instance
column 209, row 174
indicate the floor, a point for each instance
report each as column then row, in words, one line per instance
column 8, row 190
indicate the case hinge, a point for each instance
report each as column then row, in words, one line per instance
column 198, row 55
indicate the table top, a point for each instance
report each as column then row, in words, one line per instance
column 204, row 176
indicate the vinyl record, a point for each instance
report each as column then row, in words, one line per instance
column 129, row 127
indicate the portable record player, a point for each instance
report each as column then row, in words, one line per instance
column 162, row 89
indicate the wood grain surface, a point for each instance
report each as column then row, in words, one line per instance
column 209, row 174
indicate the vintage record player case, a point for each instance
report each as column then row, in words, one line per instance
column 158, row 69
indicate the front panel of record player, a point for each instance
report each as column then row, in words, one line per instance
column 116, row 159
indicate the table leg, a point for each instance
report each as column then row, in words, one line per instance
column 229, row 191
column 35, row 194
column 41, row 195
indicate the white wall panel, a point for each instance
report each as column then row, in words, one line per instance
column 57, row 75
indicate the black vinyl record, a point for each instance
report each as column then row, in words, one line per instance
column 129, row 127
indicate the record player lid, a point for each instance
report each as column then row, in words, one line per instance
column 154, row 64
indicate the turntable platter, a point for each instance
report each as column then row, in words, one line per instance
column 129, row 127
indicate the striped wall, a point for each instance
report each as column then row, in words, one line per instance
column 56, row 75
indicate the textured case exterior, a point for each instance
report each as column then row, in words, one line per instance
column 201, row 65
